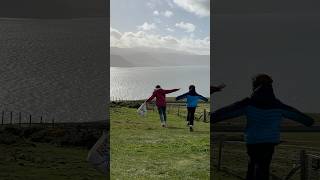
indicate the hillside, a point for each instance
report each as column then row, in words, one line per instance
column 148, row 151
column 139, row 57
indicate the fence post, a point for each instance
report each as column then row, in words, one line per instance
column 178, row 110
column 2, row 119
column 304, row 163
column 220, row 152
column 19, row 118
column 11, row 117
column 30, row 117
column 40, row 119
column 204, row 115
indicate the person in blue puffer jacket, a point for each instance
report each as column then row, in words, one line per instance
column 192, row 102
column 264, row 113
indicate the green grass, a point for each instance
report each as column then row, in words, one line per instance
column 33, row 161
column 141, row 149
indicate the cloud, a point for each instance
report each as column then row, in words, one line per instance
column 198, row 7
column 170, row 30
column 152, row 4
column 188, row 27
column 168, row 13
column 147, row 27
column 149, row 40
column 156, row 13
column 115, row 33
column 170, row 4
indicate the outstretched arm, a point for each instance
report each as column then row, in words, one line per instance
column 296, row 115
column 170, row 91
column 182, row 96
column 203, row 98
column 150, row 98
column 234, row 110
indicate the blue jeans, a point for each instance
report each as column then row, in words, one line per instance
column 162, row 113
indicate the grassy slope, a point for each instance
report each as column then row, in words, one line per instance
column 235, row 157
column 32, row 161
column 141, row 149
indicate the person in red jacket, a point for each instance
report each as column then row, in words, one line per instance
column 160, row 95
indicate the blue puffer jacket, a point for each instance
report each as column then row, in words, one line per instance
column 192, row 98
column 264, row 116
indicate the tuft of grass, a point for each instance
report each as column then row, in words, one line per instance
column 141, row 149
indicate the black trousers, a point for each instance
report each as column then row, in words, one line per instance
column 190, row 116
column 260, row 156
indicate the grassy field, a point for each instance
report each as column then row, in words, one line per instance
column 33, row 153
column 33, row 161
column 286, row 154
column 142, row 149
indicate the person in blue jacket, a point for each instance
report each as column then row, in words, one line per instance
column 192, row 102
column 264, row 113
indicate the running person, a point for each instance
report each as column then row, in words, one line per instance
column 160, row 95
column 192, row 102
column 264, row 113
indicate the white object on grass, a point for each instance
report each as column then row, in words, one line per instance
column 142, row 110
column 98, row 155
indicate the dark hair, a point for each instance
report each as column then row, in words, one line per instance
column 158, row 86
column 192, row 87
column 261, row 80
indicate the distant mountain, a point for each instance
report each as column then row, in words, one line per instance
column 118, row 61
column 143, row 57
column 53, row 8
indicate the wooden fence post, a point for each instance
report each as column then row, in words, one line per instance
column 2, row 119
column 178, row 110
column 304, row 163
column 11, row 117
column 19, row 118
column 30, row 117
column 204, row 115
column 220, row 152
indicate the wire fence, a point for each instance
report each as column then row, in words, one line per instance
column 25, row 119
column 180, row 109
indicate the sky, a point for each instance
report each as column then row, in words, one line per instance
column 182, row 25
column 279, row 38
